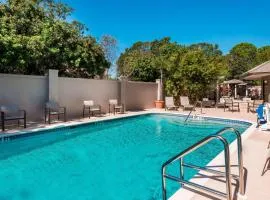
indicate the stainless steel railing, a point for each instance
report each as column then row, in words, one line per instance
column 227, row 172
column 193, row 109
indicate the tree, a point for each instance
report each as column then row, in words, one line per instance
column 195, row 75
column 110, row 48
column 263, row 54
column 241, row 58
column 191, row 70
column 208, row 49
column 35, row 37
column 137, row 63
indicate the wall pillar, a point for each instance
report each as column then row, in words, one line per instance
column 123, row 97
column 159, row 90
column 53, row 85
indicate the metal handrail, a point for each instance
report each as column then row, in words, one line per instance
column 191, row 149
column 239, row 154
column 227, row 173
column 193, row 109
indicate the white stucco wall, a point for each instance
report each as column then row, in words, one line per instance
column 32, row 92
column 73, row 91
column 28, row 92
column 141, row 95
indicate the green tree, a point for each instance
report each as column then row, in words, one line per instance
column 138, row 63
column 263, row 54
column 35, row 36
column 241, row 58
column 208, row 49
column 195, row 74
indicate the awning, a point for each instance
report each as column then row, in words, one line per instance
column 234, row 81
column 260, row 72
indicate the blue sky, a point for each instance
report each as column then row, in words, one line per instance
column 224, row 22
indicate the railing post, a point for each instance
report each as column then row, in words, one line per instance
column 164, row 193
column 227, row 169
column 181, row 169
column 241, row 193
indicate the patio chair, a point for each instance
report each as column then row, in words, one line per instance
column 221, row 103
column 207, row 103
column 231, row 105
column 169, row 104
column 52, row 108
column 252, row 106
column 267, row 163
column 91, row 107
column 116, row 107
column 184, row 102
column 12, row 113
column 260, row 115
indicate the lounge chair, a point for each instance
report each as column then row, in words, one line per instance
column 252, row 106
column 52, row 108
column 12, row 113
column 169, row 104
column 231, row 105
column 91, row 107
column 184, row 101
column 260, row 115
column 116, row 107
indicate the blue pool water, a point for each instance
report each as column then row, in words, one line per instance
column 112, row 160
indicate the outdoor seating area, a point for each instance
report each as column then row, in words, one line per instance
column 53, row 112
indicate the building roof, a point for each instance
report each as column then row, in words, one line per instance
column 257, row 73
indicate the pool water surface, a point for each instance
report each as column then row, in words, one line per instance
column 113, row 160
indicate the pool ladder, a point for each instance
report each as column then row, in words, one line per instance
column 227, row 174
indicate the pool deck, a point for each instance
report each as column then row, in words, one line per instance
column 254, row 153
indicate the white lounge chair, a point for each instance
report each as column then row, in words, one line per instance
column 169, row 104
column 91, row 107
column 184, row 101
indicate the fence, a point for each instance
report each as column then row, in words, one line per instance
column 32, row 92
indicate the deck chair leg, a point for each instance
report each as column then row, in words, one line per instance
column 268, row 145
column 3, row 121
column 65, row 114
column 45, row 112
column 24, row 120
column 83, row 112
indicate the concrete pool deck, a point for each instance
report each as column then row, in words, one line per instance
column 254, row 151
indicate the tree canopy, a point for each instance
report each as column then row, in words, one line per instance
column 35, row 36
column 241, row 58
column 188, row 70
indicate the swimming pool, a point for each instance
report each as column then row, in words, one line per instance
column 116, row 159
